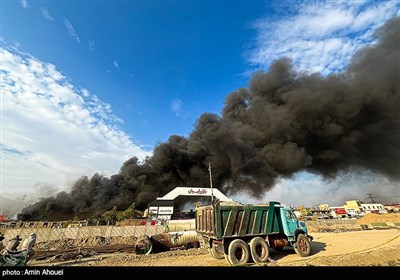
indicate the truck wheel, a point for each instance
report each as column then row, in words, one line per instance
column 217, row 251
column 226, row 247
column 259, row 250
column 238, row 252
column 227, row 259
column 303, row 247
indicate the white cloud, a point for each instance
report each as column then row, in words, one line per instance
column 71, row 30
column 52, row 131
column 116, row 65
column 319, row 36
column 24, row 4
column 176, row 106
column 46, row 14
column 91, row 45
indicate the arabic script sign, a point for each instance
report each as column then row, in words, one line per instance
column 197, row 192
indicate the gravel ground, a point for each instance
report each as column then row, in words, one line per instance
column 358, row 248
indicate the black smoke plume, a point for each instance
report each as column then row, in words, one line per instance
column 285, row 122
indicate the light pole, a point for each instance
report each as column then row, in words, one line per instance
column 209, row 169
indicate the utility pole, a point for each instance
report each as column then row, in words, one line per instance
column 209, row 169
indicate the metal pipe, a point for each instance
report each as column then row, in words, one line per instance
column 166, row 241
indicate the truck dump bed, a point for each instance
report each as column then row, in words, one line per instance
column 224, row 221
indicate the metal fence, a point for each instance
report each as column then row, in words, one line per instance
column 48, row 234
column 347, row 225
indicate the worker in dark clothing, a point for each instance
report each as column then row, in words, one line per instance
column 13, row 243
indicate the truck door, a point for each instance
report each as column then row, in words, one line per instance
column 291, row 222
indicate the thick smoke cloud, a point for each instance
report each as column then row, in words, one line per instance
column 283, row 123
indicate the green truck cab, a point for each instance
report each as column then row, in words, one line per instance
column 241, row 232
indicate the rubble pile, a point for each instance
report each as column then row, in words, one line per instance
column 94, row 241
column 72, row 256
column 150, row 260
column 230, row 203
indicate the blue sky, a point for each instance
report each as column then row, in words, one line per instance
column 88, row 84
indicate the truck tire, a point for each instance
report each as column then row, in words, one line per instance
column 259, row 250
column 227, row 259
column 226, row 247
column 303, row 247
column 238, row 252
column 217, row 251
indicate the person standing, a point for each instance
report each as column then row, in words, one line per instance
column 28, row 243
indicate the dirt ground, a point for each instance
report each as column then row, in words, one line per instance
column 356, row 248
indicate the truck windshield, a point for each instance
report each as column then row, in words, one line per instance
column 289, row 215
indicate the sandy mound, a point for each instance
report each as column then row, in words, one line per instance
column 379, row 218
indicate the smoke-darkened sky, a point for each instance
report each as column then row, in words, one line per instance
column 87, row 85
column 284, row 122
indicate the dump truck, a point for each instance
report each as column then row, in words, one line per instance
column 244, row 232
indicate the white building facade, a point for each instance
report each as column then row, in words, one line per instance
column 373, row 208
